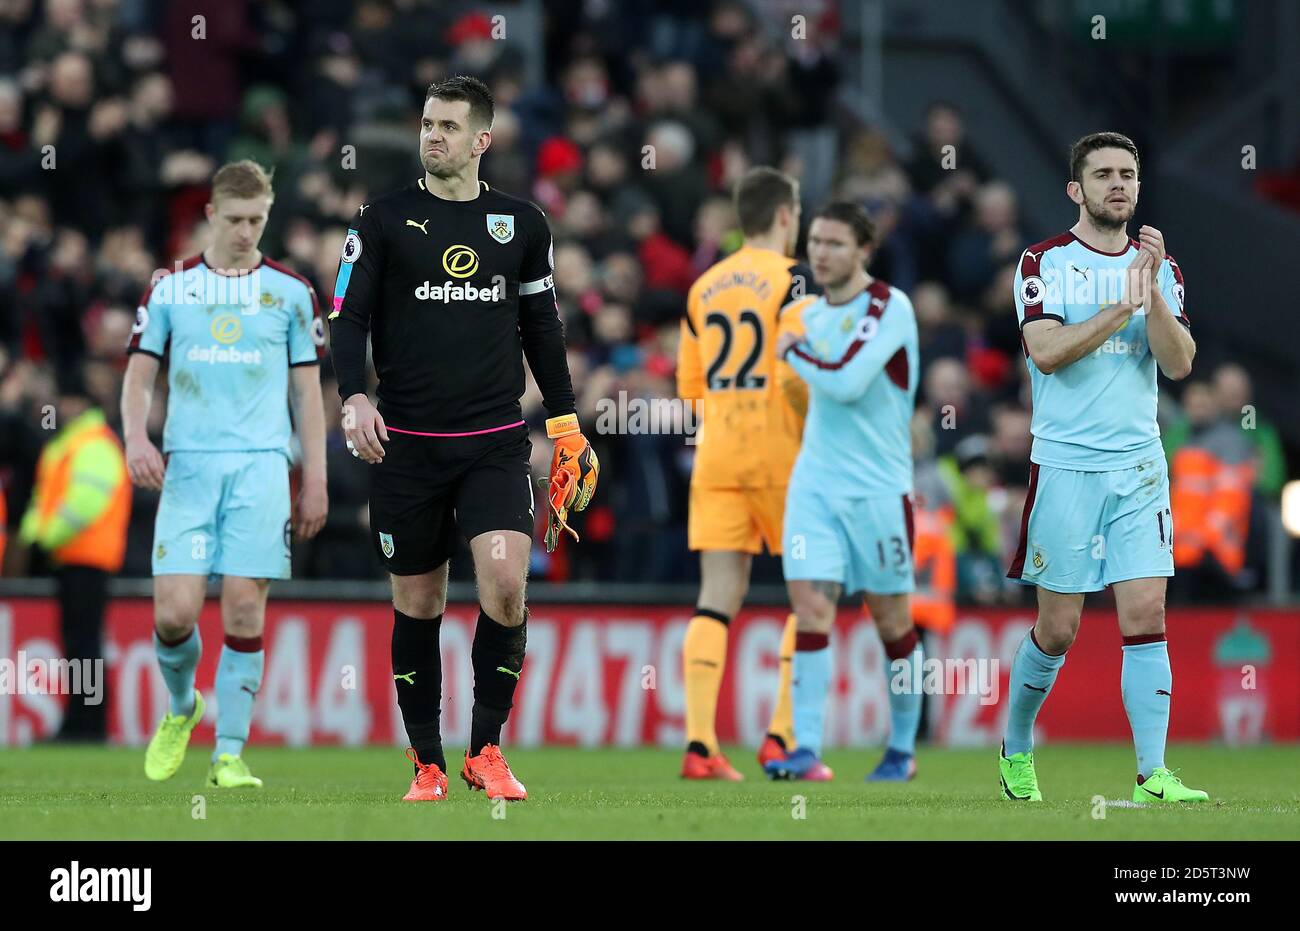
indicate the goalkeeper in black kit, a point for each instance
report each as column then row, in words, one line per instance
column 453, row 282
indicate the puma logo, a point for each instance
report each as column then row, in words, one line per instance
column 1163, row 692
column 407, row 677
column 1035, row 688
column 704, row 662
column 419, row 226
column 362, row 209
column 508, row 672
column 248, row 690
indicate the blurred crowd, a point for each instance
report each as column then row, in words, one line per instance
column 627, row 122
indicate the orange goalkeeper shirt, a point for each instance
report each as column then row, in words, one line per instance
column 749, row 433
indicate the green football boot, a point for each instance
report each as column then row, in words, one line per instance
column 231, row 772
column 166, row 750
column 1019, row 781
column 1163, row 786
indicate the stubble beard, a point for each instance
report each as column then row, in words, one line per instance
column 1104, row 219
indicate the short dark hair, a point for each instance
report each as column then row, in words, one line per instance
column 852, row 214
column 1094, row 141
column 758, row 195
column 482, row 108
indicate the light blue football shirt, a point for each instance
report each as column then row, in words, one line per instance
column 1097, row 414
column 230, row 342
column 861, row 362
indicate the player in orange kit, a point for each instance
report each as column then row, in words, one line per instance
column 746, row 447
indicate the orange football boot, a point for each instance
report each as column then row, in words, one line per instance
column 490, row 772
column 772, row 749
column 429, row 784
column 716, row 766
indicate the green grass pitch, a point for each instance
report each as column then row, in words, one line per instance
column 336, row 793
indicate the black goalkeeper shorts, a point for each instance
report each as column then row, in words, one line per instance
column 428, row 489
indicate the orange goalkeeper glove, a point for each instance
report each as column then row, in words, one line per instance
column 574, row 471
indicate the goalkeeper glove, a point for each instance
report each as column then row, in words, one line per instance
column 574, row 471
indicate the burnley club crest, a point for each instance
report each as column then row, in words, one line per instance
column 501, row 226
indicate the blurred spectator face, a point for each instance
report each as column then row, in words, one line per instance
column 930, row 301
column 747, row 57
column 585, row 84
column 68, row 407
column 621, row 277
column 11, row 106
column 151, row 100
column 1011, row 437
column 606, row 167
column 679, row 86
column 946, row 382
column 34, row 210
column 730, row 20
column 70, row 253
column 237, row 224
column 651, row 90
column 1200, row 404
column 72, row 81
column 111, row 333
column 1233, row 388
column 1108, row 187
column 714, row 220
column 584, row 127
column 63, row 15
column 995, row 207
column 449, row 138
column 672, row 144
column 505, row 130
column 833, row 252
column 583, row 216
column 943, row 126
column 644, row 223
column 573, row 274
column 345, row 69
column 666, row 339
column 613, row 324
column 373, row 16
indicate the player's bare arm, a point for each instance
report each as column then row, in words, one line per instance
column 1052, row 344
column 143, row 461
column 1171, row 342
column 309, row 415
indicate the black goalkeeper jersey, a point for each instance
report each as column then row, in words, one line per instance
column 454, row 295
